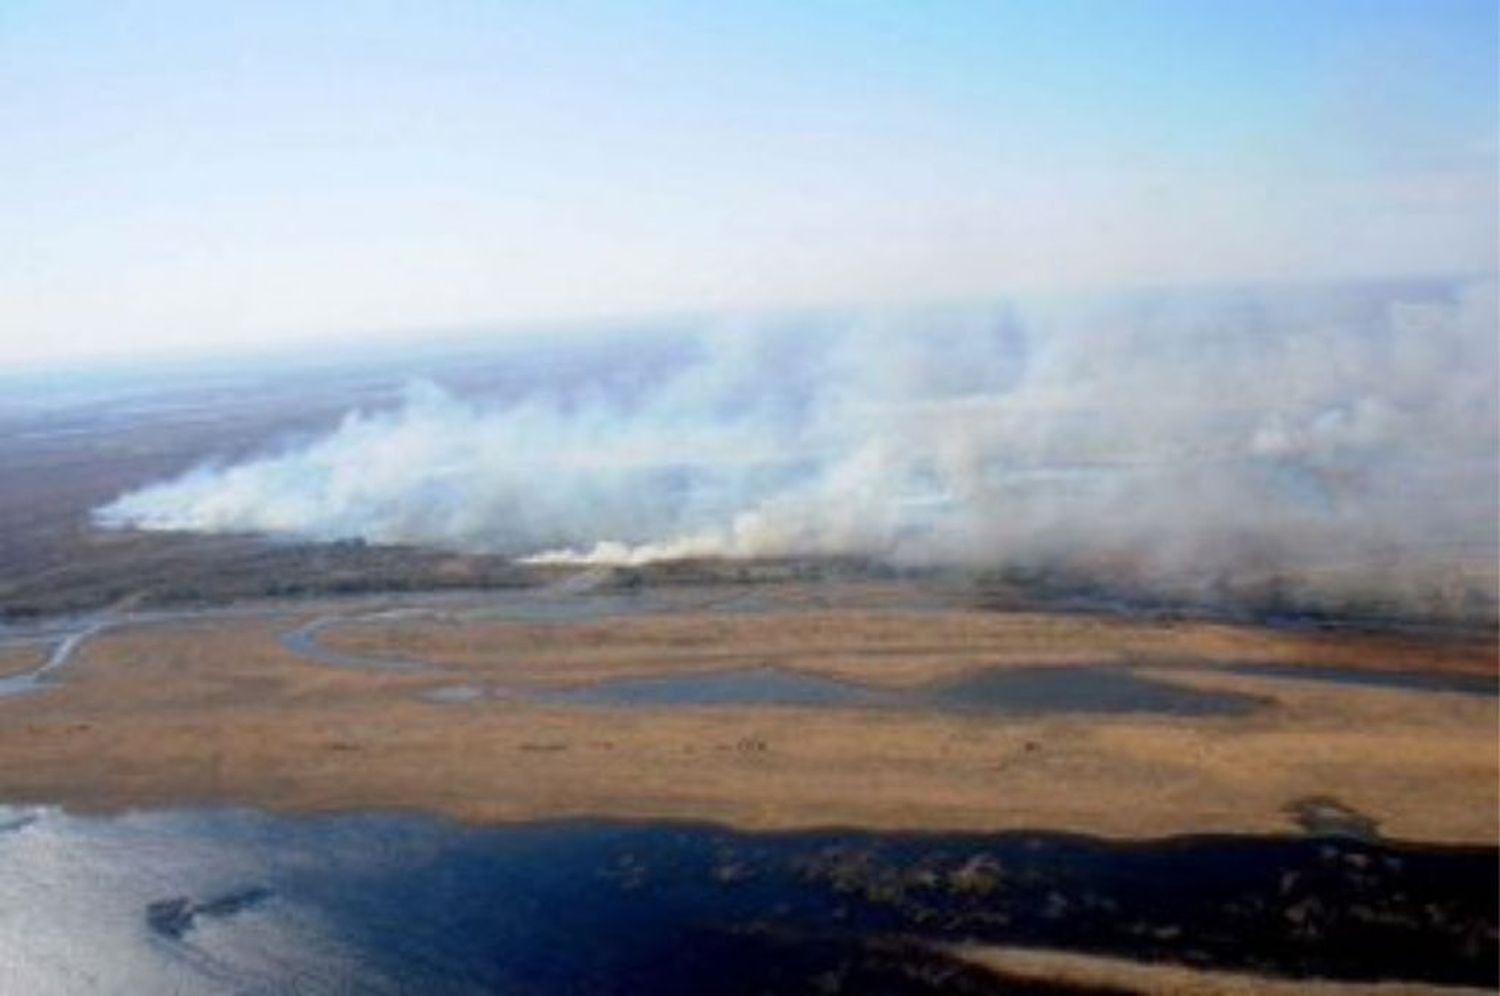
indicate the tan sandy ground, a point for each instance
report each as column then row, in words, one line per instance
column 1120, row 975
column 218, row 711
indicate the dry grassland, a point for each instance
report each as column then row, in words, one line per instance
column 218, row 711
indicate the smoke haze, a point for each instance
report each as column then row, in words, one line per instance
column 1326, row 447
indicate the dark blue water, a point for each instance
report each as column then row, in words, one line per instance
column 236, row 901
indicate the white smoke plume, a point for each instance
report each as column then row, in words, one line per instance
column 1316, row 443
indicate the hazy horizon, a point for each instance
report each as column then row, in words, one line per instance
column 182, row 181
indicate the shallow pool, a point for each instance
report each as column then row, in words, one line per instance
column 1001, row 691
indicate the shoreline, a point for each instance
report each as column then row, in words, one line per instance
column 906, row 835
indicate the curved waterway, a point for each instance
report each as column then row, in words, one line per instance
column 1103, row 688
column 67, row 635
column 569, row 601
column 1014, row 690
column 222, row 901
column 303, row 642
column 40, row 677
column 1009, row 691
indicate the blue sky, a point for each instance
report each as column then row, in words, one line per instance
column 192, row 177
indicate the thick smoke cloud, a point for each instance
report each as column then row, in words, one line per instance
column 1325, row 447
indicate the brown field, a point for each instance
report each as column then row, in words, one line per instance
column 216, row 710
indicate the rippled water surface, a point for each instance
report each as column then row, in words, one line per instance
column 238, row 901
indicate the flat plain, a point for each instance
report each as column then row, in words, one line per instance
column 222, row 707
